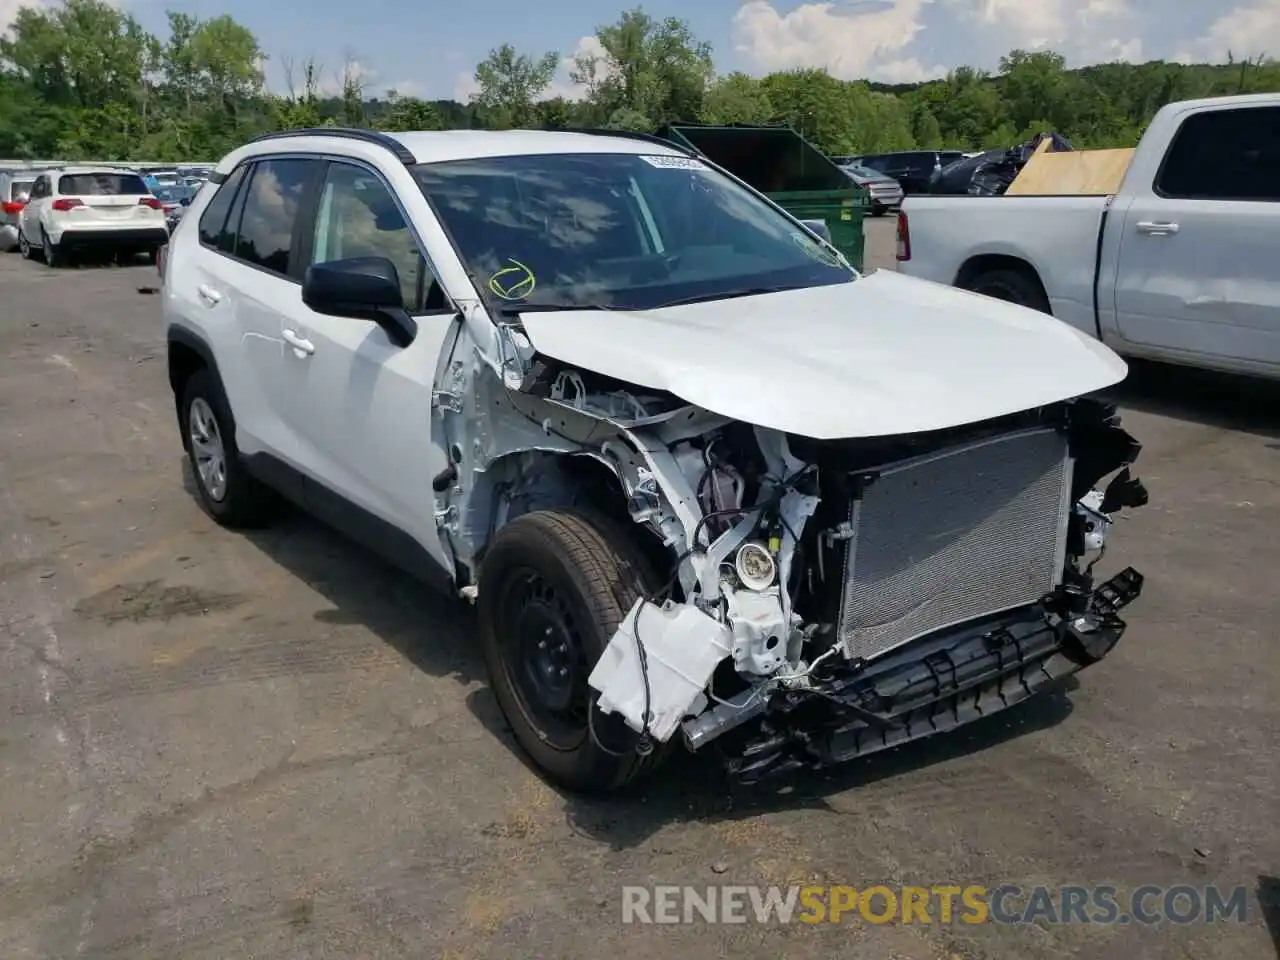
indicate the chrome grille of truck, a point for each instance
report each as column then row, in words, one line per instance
column 955, row 535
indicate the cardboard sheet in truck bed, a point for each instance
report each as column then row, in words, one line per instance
column 1071, row 172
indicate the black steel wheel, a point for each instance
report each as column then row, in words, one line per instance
column 554, row 585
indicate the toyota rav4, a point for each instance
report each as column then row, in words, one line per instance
column 703, row 480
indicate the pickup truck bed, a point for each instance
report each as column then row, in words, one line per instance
column 1179, row 265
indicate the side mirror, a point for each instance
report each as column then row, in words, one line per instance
column 819, row 228
column 364, row 288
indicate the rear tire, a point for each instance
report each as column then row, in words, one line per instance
column 225, row 488
column 1012, row 286
column 554, row 585
column 52, row 255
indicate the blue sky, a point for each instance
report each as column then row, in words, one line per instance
column 430, row 48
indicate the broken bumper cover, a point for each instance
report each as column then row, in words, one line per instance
column 935, row 685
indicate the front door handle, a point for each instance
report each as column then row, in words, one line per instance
column 301, row 345
column 1157, row 229
column 208, row 294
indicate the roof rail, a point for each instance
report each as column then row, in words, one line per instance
column 631, row 135
column 403, row 154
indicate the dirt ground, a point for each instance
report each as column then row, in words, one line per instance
column 218, row 746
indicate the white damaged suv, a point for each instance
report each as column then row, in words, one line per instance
column 704, row 481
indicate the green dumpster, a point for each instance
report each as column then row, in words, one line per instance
column 787, row 168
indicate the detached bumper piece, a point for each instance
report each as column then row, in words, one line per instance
column 933, row 685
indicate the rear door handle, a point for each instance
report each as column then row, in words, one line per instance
column 1157, row 229
column 302, row 345
column 208, row 294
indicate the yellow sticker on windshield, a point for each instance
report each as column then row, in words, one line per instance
column 513, row 283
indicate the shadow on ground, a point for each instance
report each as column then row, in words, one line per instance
column 432, row 631
column 1268, row 891
column 437, row 635
column 1202, row 396
column 691, row 788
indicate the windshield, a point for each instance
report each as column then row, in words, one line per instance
column 101, row 185
column 19, row 188
column 617, row 231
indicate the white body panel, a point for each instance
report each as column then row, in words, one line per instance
column 883, row 355
column 1184, row 280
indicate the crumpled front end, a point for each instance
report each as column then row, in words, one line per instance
column 833, row 598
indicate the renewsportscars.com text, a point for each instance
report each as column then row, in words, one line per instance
column 943, row 904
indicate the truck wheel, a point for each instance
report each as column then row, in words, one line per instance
column 1014, row 286
column 225, row 488
column 554, row 586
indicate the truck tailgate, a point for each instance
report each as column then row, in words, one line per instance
column 951, row 236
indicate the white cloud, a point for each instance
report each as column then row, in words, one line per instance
column 1085, row 31
column 9, row 12
column 1247, row 31
column 464, row 86
column 561, row 86
column 859, row 40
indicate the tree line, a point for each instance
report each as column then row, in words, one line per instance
column 82, row 79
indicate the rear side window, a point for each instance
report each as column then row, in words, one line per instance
column 1224, row 155
column 213, row 222
column 273, row 198
column 102, row 185
column 921, row 162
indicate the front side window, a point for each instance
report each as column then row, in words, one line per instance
column 617, row 231
column 358, row 217
column 271, row 202
column 1224, row 155
column 102, row 185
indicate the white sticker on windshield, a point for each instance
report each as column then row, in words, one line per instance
column 674, row 163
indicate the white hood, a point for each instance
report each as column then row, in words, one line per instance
column 884, row 355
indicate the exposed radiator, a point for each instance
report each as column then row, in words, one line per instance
column 953, row 536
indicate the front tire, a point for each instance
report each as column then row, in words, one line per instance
column 24, row 246
column 554, row 585
column 225, row 488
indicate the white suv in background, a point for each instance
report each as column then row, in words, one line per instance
column 82, row 208
column 701, row 478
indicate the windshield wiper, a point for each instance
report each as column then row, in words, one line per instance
column 512, row 309
column 723, row 295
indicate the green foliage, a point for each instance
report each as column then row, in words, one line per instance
column 408, row 113
column 736, row 98
column 510, row 84
column 82, row 79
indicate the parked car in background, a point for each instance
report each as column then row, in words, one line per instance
column 885, row 192
column 78, row 208
column 15, row 185
column 1178, row 265
column 176, row 199
column 913, row 169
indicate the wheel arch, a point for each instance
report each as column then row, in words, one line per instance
column 189, row 353
column 533, row 480
column 985, row 263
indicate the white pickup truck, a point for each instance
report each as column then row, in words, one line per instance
column 1182, row 264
